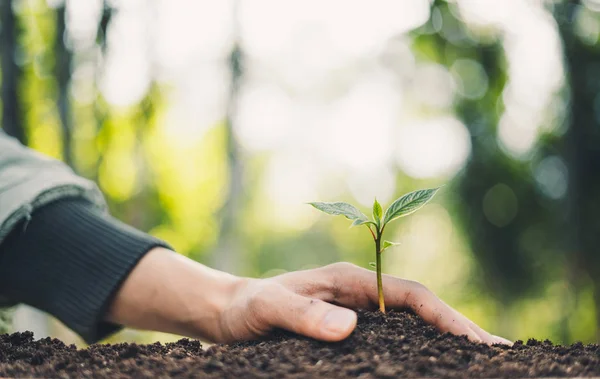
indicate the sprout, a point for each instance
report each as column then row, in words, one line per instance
column 405, row 205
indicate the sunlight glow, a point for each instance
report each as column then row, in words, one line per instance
column 196, row 102
column 193, row 31
column 376, row 182
column 289, row 183
column 517, row 131
column 359, row 128
column 433, row 85
column 264, row 117
column 82, row 20
column 271, row 27
column 432, row 148
column 419, row 255
column 127, row 67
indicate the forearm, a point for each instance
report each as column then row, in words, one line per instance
column 170, row 293
column 70, row 260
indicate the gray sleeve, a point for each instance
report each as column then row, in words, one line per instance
column 30, row 180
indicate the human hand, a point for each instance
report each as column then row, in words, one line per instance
column 303, row 302
column 171, row 293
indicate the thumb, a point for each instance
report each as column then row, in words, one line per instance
column 310, row 317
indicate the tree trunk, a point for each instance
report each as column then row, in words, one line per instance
column 63, row 78
column 103, row 25
column 227, row 256
column 100, row 111
column 12, row 121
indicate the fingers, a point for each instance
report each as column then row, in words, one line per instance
column 432, row 310
column 486, row 337
column 436, row 312
column 282, row 308
column 483, row 335
column 503, row 341
column 355, row 287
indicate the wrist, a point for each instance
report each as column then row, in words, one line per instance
column 203, row 316
column 170, row 293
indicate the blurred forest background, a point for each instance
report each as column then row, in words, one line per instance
column 211, row 123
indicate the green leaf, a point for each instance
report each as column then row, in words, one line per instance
column 340, row 208
column 377, row 212
column 372, row 264
column 359, row 221
column 409, row 203
column 387, row 244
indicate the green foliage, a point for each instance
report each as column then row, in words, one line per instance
column 409, row 203
column 387, row 244
column 377, row 212
column 340, row 208
column 358, row 222
column 403, row 206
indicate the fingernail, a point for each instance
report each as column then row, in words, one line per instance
column 502, row 341
column 339, row 321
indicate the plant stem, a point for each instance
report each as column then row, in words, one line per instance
column 378, row 266
column 373, row 234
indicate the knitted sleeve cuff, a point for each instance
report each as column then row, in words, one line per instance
column 69, row 260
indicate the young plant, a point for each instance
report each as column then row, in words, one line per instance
column 405, row 205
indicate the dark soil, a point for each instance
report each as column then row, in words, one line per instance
column 396, row 345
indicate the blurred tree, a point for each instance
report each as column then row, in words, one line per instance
column 100, row 107
column 520, row 238
column 581, row 150
column 497, row 200
column 105, row 18
column 62, row 71
column 227, row 255
column 12, row 117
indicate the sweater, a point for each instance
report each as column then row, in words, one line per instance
column 60, row 251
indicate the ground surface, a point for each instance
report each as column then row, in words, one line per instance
column 395, row 345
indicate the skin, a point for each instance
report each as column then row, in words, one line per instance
column 170, row 293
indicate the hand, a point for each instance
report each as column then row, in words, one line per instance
column 171, row 293
column 301, row 301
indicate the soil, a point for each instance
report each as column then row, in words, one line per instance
column 398, row 344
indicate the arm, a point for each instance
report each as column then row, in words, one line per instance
column 168, row 292
column 68, row 260
column 97, row 274
column 60, row 252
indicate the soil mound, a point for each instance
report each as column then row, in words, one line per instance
column 398, row 344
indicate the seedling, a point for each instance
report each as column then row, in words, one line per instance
column 405, row 205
